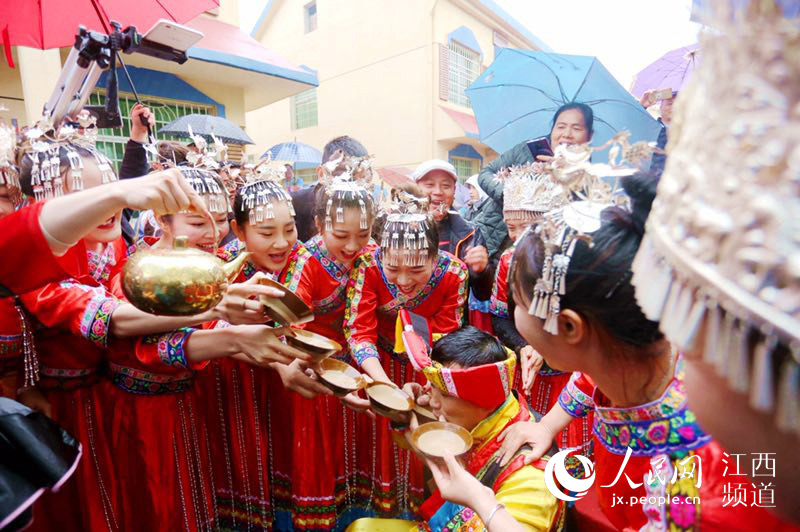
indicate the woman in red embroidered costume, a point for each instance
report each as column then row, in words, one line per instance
column 249, row 407
column 324, row 493
column 156, row 376
column 79, row 310
column 529, row 193
column 70, row 330
column 583, row 317
column 11, row 333
column 407, row 272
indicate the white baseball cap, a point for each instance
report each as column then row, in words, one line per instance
column 434, row 164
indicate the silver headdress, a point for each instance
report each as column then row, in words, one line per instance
column 560, row 231
column 209, row 155
column 405, row 231
column 203, row 174
column 721, row 251
column 261, row 189
column 209, row 185
column 562, row 228
column 45, row 147
column 529, row 192
column 347, row 179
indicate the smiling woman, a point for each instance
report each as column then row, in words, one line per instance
column 408, row 271
column 572, row 123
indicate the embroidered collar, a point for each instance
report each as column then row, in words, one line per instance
column 665, row 425
column 232, row 249
column 100, row 264
column 335, row 268
column 442, row 267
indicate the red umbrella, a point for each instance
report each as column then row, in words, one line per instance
column 53, row 23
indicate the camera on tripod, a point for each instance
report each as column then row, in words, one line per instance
column 94, row 52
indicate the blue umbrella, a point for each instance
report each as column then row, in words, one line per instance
column 205, row 126
column 301, row 155
column 515, row 98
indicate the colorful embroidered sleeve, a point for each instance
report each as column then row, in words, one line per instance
column 450, row 316
column 528, row 500
column 498, row 304
column 360, row 315
column 576, row 397
column 157, row 351
column 81, row 309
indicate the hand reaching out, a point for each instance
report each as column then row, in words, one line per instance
column 476, row 258
column 241, row 304
column 531, row 362
column 295, row 378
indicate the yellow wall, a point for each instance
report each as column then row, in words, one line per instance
column 11, row 93
column 378, row 67
column 38, row 71
column 371, row 76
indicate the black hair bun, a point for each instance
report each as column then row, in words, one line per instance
column 641, row 189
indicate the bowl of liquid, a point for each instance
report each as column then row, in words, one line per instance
column 288, row 309
column 316, row 345
column 389, row 401
column 438, row 438
column 340, row 377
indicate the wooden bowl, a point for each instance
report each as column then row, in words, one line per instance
column 286, row 310
column 340, row 377
column 389, row 401
column 433, row 439
column 316, row 345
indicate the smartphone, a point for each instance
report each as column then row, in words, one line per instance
column 540, row 146
column 175, row 36
column 663, row 94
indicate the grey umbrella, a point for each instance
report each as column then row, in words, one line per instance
column 207, row 125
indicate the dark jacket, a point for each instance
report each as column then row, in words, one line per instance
column 303, row 202
column 658, row 160
column 490, row 220
column 134, row 164
column 456, row 236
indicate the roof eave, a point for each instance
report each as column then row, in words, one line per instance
column 243, row 63
column 510, row 24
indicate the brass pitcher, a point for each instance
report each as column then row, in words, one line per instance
column 178, row 282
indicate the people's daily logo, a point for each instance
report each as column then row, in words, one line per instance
column 555, row 469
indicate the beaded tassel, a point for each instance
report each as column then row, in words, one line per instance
column 328, row 220
column 36, row 177
column 712, row 333
column 692, row 324
column 54, row 171
column 738, row 369
column 725, row 345
column 75, row 170
column 29, row 357
column 788, row 409
column 106, row 172
column 362, row 222
column 763, row 388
